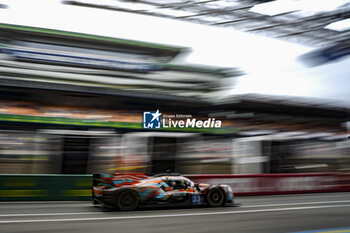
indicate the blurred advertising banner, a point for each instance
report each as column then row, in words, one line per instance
column 263, row 184
column 79, row 187
column 45, row 187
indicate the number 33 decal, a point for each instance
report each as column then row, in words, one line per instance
column 196, row 199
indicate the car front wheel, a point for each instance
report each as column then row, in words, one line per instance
column 215, row 197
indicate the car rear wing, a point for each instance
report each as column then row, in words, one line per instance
column 118, row 179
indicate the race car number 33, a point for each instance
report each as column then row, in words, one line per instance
column 196, row 199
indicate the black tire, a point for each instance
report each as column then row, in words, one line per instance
column 215, row 197
column 128, row 200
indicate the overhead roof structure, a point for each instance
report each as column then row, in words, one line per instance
column 56, row 58
column 313, row 23
column 43, row 35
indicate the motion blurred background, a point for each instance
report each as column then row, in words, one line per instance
column 76, row 77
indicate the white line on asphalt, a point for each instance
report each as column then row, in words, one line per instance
column 46, row 214
column 296, row 203
column 248, row 206
column 170, row 215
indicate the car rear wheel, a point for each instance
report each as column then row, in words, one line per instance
column 127, row 200
column 215, row 197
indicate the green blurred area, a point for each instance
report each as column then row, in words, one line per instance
column 45, row 187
